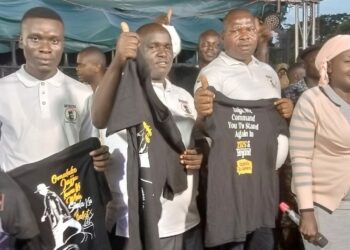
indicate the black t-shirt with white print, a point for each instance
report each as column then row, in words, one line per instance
column 242, row 193
column 68, row 198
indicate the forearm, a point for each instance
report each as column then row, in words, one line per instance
column 302, row 144
column 105, row 94
column 262, row 52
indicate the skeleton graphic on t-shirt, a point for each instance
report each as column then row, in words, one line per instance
column 60, row 219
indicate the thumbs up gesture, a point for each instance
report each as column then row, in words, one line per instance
column 127, row 44
column 164, row 19
column 203, row 98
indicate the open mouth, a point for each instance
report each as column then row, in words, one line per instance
column 162, row 64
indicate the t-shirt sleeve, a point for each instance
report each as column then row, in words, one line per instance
column 87, row 130
column 17, row 217
column 128, row 107
column 301, row 145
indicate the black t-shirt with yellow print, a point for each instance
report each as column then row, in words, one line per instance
column 241, row 168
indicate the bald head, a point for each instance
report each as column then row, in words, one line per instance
column 91, row 65
column 151, row 28
column 94, row 55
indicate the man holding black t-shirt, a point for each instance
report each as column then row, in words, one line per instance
column 154, row 43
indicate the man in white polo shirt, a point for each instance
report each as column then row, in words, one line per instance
column 179, row 222
column 238, row 75
column 42, row 110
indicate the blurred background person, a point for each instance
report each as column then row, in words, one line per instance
column 91, row 66
column 281, row 70
column 296, row 76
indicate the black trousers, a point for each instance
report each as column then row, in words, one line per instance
column 260, row 239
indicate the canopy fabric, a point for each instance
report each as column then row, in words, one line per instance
column 91, row 22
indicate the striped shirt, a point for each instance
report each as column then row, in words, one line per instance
column 320, row 148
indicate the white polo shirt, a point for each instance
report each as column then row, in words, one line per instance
column 117, row 208
column 237, row 80
column 40, row 118
column 179, row 214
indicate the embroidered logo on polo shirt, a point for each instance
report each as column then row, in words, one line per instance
column 270, row 79
column 70, row 113
column 185, row 107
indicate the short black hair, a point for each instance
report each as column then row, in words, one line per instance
column 233, row 11
column 304, row 53
column 42, row 12
column 209, row 32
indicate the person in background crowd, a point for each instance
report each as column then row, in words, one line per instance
column 308, row 58
column 209, row 47
column 281, row 70
column 91, row 66
column 296, row 75
column 320, row 149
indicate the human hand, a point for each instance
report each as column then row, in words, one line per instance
column 204, row 99
column 100, row 158
column 264, row 32
column 308, row 226
column 127, row 44
column 285, row 107
column 191, row 159
column 164, row 19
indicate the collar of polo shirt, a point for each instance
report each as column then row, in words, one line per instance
column 30, row 81
column 232, row 61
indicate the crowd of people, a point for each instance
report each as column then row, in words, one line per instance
column 196, row 157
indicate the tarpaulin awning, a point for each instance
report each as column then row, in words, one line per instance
column 97, row 22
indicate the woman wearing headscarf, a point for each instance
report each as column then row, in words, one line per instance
column 320, row 149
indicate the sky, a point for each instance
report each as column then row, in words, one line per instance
column 325, row 7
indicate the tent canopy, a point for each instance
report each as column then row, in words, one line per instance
column 91, row 22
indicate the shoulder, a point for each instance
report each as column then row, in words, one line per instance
column 309, row 100
column 267, row 68
column 215, row 65
column 76, row 86
column 311, row 95
column 181, row 92
column 9, row 80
